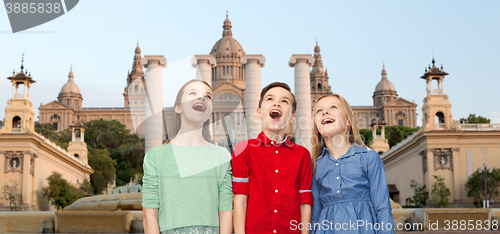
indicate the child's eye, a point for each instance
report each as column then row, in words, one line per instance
column 318, row 110
column 191, row 93
column 269, row 99
column 285, row 101
column 334, row 107
column 209, row 97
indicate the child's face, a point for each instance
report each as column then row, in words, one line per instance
column 330, row 118
column 276, row 109
column 196, row 103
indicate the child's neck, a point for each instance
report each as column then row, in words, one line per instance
column 276, row 136
column 189, row 135
column 337, row 145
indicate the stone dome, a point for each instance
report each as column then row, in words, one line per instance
column 70, row 87
column 227, row 46
column 384, row 85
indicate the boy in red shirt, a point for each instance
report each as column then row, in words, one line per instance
column 271, row 174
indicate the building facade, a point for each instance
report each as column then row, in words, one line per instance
column 441, row 147
column 28, row 158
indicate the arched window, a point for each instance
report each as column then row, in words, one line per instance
column 77, row 156
column 16, row 122
column 136, row 88
column 319, row 87
column 439, row 117
column 400, row 117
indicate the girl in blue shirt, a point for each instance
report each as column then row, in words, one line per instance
column 349, row 187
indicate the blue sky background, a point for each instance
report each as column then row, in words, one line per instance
column 356, row 37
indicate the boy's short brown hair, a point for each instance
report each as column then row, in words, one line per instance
column 281, row 85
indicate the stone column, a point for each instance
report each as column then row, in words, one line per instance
column 204, row 65
column 25, row 182
column 456, row 175
column 252, row 64
column 154, row 97
column 303, row 122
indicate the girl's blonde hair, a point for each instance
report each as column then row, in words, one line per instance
column 317, row 140
column 176, row 123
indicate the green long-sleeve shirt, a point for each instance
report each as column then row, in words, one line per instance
column 188, row 184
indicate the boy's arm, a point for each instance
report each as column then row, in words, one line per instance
column 241, row 179
column 306, row 201
column 225, row 222
column 305, row 217
column 240, row 213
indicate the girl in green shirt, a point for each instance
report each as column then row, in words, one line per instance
column 187, row 181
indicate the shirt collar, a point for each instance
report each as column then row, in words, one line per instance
column 266, row 141
column 355, row 148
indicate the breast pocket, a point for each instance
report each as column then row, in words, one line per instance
column 351, row 170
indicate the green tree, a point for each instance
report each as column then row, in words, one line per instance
column 440, row 192
column 395, row 136
column 86, row 186
column 1, row 123
column 12, row 194
column 47, row 130
column 366, row 136
column 104, row 169
column 420, row 194
column 102, row 134
column 475, row 186
column 473, row 119
column 60, row 192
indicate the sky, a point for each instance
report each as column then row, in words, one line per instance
column 98, row 38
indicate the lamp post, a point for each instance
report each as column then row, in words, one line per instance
column 487, row 174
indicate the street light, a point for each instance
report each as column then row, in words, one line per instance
column 487, row 174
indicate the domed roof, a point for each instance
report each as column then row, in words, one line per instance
column 384, row 85
column 227, row 46
column 70, row 87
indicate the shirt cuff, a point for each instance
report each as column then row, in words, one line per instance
column 306, row 197
column 240, row 188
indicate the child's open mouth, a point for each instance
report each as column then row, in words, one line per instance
column 327, row 121
column 199, row 107
column 275, row 114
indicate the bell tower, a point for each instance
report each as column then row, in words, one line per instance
column 437, row 106
column 77, row 147
column 378, row 142
column 19, row 114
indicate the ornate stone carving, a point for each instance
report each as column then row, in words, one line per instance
column 14, row 161
column 443, row 158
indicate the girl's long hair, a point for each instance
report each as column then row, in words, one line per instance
column 317, row 140
column 176, row 123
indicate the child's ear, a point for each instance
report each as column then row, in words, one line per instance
column 258, row 113
column 178, row 109
column 292, row 118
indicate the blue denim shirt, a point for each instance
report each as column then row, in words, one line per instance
column 351, row 189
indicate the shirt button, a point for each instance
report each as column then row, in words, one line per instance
column 276, row 191
column 276, row 151
column 272, row 142
column 275, row 211
column 274, row 231
column 338, row 191
column 276, row 171
column 337, row 164
column 337, row 177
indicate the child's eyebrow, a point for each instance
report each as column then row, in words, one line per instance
column 269, row 95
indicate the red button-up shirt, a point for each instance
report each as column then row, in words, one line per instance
column 276, row 176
